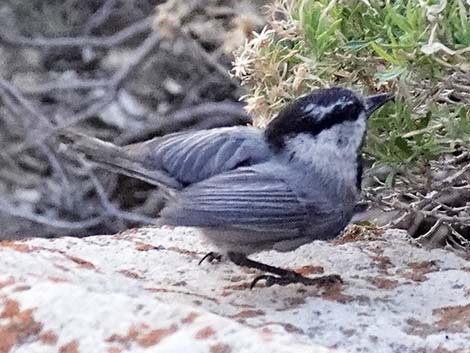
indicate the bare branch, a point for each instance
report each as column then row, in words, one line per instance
column 202, row 116
column 145, row 49
column 108, row 206
column 99, row 17
column 54, row 189
column 13, row 210
column 77, row 84
column 142, row 52
column 70, row 121
column 87, row 41
column 209, row 59
column 449, row 180
column 59, row 171
column 114, row 83
column 8, row 88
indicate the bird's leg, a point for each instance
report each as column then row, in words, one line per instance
column 285, row 276
column 211, row 256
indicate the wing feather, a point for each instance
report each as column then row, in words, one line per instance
column 245, row 198
column 194, row 156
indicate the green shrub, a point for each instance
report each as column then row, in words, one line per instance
column 418, row 49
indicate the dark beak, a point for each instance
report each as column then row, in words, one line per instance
column 375, row 102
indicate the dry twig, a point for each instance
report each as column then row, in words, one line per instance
column 86, row 41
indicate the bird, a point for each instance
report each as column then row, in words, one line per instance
column 252, row 189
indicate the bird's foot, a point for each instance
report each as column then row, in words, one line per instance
column 211, row 257
column 323, row 281
column 281, row 276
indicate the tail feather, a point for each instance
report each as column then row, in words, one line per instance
column 116, row 159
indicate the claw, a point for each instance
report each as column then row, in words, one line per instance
column 329, row 280
column 268, row 278
column 282, row 276
column 210, row 256
column 323, row 281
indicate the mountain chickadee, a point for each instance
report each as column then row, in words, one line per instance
column 249, row 189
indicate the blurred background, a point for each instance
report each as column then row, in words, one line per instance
column 126, row 71
column 121, row 70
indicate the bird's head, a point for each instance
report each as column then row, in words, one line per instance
column 335, row 117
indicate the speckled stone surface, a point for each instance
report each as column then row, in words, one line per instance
column 142, row 291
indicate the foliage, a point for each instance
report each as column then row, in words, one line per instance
column 416, row 48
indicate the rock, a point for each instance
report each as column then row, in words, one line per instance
column 142, row 291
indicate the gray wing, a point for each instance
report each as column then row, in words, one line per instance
column 193, row 156
column 247, row 198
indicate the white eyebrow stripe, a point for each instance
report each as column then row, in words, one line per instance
column 309, row 107
column 324, row 110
